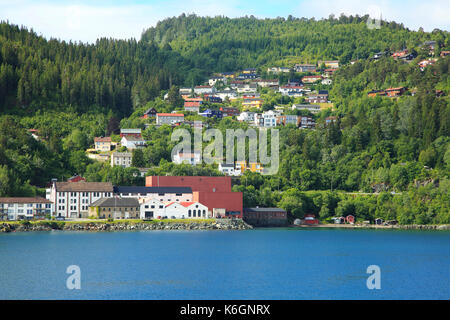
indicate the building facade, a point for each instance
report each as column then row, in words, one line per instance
column 122, row 159
column 17, row 208
column 72, row 199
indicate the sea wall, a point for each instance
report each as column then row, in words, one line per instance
column 219, row 224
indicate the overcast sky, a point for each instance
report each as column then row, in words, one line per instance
column 86, row 21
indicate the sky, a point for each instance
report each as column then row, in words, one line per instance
column 86, row 21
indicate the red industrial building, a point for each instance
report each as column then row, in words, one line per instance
column 213, row 192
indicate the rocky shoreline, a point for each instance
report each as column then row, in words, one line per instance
column 372, row 226
column 219, row 224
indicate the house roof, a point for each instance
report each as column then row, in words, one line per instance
column 130, row 131
column 116, row 202
column 133, row 138
column 102, row 139
column 83, row 186
column 192, row 104
column 170, row 115
column 264, row 210
column 24, row 200
column 139, row 189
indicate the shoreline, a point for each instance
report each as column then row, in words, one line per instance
column 208, row 224
column 438, row 227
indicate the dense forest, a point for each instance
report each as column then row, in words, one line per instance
column 397, row 148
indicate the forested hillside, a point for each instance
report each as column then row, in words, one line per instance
column 225, row 44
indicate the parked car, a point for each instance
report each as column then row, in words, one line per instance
column 172, row 217
column 59, row 218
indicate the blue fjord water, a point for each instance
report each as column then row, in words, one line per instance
column 253, row 264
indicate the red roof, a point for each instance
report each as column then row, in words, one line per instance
column 102, row 139
column 170, row 115
column 192, row 104
column 186, row 204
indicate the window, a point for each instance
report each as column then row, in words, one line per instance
column 161, row 206
column 193, row 213
column 152, row 206
column 189, row 213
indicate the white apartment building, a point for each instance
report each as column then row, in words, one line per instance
column 122, row 159
column 246, row 116
column 72, row 199
column 18, row 208
column 187, row 210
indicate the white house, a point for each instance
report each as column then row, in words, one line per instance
column 246, row 116
column 229, row 169
column 270, row 118
column 192, row 158
column 132, row 142
column 204, row 90
column 169, row 118
column 213, row 80
column 152, row 208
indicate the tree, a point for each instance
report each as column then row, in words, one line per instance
column 138, row 159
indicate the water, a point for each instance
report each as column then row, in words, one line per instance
column 253, row 264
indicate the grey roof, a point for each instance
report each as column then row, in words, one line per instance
column 116, row 202
column 83, row 186
column 264, row 210
column 138, row 189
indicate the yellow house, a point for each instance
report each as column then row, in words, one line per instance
column 252, row 102
column 252, row 166
column 102, row 143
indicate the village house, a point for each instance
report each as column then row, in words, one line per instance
column 229, row 112
column 313, row 108
column 327, row 81
column 204, row 90
column 185, row 92
column 444, row 53
column 305, row 68
column 288, row 119
column 18, row 208
column 229, row 75
column 213, row 99
column 102, row 144
column 306, row 122
column 246, row 88
column 329, row 64
column 227, row 93
column 374, row 93
column 193, row 106
column 192, row 158
column 250, row 102
column 132, row 142
column 311, row 79
column 115, row 208
column 72, row 199
column 208, row 113
column 395, row 92
column 249, row 71
column 331, row 119
column 34, row 133
column 122, row 159
column 137, row 133
column 150, row 113
column 277, row 70
column 265, row 217
column 266, row 83
column 293, row 90
column 246, row 116
column 317, row 98
column 229, row 169
column 247, row 76
column 213, row 80
column 169, row 118
column 427, row 62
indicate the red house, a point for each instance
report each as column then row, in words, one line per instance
column 310, row 219
column 76, row 178
column 350, row 219
column 213, row 192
